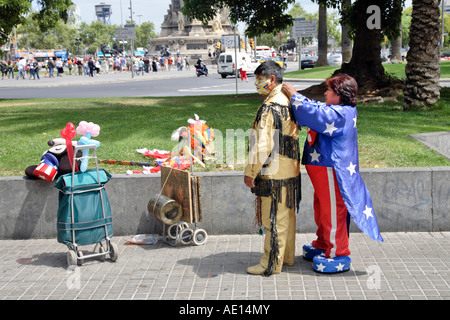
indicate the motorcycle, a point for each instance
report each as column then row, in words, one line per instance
column 202, row 71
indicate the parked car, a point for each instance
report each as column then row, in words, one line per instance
column 335, row 59
column 309, row 62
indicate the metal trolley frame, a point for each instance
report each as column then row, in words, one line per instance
column 75, row 256
column 181, row 232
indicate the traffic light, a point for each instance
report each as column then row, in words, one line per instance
column 219, row 45
column 252, row 43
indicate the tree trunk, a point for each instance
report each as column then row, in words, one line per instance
column 423, row 68
column 365, row 65
column 323, row 38
column 346, row 42
column 396, row 47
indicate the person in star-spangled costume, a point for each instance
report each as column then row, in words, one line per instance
column 331, row 159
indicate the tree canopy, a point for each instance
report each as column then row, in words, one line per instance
column 261, row 16
column 16, row 12
column 93, row 35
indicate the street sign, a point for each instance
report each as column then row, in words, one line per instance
column 304, row 28
column 128, row 32
column 228, row 41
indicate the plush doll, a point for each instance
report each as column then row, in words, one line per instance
column 54, row 162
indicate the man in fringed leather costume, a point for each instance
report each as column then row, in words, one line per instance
column 273, row 171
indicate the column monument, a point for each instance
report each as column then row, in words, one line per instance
column 189, row 37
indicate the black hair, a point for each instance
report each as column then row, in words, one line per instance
column 270, row 68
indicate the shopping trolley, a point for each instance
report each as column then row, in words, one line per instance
column 84, row 213
column 178, row 208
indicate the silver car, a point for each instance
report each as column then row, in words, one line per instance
column 335, row 59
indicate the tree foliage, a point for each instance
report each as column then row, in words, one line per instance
column 261, row 16
column 16, row 12
column 391, row 13
column 93, row 35
column 297, row 11
column 31, row 37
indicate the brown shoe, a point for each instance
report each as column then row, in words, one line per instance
column 257, row 269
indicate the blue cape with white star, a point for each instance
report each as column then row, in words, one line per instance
column 336, row 145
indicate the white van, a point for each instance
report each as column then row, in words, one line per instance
column 227, row 65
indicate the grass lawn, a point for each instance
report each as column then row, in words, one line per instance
column 128, row 124
column 397, row 70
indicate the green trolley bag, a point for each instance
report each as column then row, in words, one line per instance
column 84, row 212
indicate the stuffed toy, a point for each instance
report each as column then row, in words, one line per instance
column 202, row 138
column 54, row 162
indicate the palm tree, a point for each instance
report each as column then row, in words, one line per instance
column 396, row 47
column 322, row 35
column 346, row 42
column 423, row 67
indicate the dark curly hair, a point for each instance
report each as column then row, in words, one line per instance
column 345, row 87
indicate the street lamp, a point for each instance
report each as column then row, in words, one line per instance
column 132, row 40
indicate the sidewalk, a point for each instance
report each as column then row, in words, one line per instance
column 405, row 266
column 75, row 80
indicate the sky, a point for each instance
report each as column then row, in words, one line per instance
column 147, row 10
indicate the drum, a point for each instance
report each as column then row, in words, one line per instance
column 165, row 209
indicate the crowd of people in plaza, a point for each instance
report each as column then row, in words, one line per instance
column 29, row 68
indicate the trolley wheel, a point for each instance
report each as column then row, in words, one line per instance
column 172, row 231
column 102, row 250
column 113, row 251
column 186, row 236
column 184, row 225
column 71, row 258
column 199, row 237
column 80, row 259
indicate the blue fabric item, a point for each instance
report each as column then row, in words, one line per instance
column 50, row 159
column 89, row 177
column 331, row 265
column 89, row 205
column 309, row 252
column 336, row 146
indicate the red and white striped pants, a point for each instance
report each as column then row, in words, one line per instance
column 330, row 212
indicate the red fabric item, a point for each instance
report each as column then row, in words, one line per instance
column 330, row 212
column 311, row 136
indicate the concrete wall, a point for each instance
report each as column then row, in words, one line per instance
column 404, row 199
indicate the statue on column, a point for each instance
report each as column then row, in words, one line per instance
column 216, row 23
column 180, row 22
